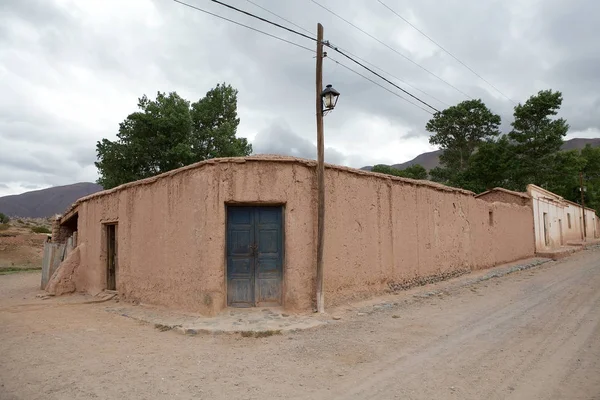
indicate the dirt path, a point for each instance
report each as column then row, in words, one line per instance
column 534, row 334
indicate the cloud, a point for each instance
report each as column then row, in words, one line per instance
column 279, row 139
column 70, row 71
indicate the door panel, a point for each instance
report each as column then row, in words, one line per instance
column 269, row 256
column 240, row 258
column 254, row 256
column 111, row 250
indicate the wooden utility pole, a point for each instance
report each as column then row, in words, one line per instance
column 582, row 205
column 320, row 173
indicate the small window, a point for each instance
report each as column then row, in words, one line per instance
column 569, row 220
column 491, row 218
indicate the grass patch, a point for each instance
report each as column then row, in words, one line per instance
column 4, row 227
column 16, row 270
column 40, row 229
column 260, row 334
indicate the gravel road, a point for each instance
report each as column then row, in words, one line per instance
column 533, row 334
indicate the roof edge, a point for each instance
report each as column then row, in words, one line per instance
column 267, row 158
column 511, row 192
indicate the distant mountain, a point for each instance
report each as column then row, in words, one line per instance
column 46, row 202
column 431, row 159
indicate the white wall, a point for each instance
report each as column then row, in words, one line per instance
column 558, row 210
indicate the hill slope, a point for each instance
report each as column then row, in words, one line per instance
column 431, row 159
column 46, row 202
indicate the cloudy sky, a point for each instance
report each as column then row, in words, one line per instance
column 71, row 70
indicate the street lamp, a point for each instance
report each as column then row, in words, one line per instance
column 329, row 98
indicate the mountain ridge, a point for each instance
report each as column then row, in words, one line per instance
column 45, row 202
column 431, row 159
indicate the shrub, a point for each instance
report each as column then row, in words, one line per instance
column 40, row 229
column 4, row 227
column 4, row 218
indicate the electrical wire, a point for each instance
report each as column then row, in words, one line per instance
column 279, row 16
column 380, row 76
column 378, row 84
column 395, row 77
column 391, row 48
column 325, row 43
column 246, row 26
column 446, row 51
column 353, row 55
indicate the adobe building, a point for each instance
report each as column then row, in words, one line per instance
column 241, row 232
column 557, row 222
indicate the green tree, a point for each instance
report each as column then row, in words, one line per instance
column 4, row 219
column 169, row 133
column 458, row 131
column 489, row 167
column 591, row 175
column 564, row 177
column 415, row 171
column 537, row 137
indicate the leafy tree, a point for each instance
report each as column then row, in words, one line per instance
column 537, row 137
column 169, row 133
column 4, row 219
column 591, row 175
column 459, row 130
column 564, row 177
column 489, row 167
column 415, row 171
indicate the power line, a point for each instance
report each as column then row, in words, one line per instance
column 279, row 16
column 353, row 55
column 391, row 48
column 378, row 84
column 246, row 26
column 326, row 43
column 260, row 18
column 395, row 77
column 446, row 51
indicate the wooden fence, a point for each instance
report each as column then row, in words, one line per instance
column 54, row 254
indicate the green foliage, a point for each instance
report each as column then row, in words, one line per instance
column 489, row 167
column 591, row 175
column 537, row 138
column 459, row 130
column 475, row 160
column 415, row 171
column 40, row 229
column 564, row 177
column 169, row 133
column 4, row 219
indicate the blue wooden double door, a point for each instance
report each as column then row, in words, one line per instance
column 254, row 256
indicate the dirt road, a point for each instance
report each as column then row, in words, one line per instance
column 533, row 334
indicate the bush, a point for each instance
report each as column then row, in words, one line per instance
column 4, row 219
column 4, row 227
column 40, row 229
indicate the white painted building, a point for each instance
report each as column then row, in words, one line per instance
column 558, row 222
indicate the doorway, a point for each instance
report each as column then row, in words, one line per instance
column 562, row 242
column 254, row 256
column 546, row 230
column 111, row 257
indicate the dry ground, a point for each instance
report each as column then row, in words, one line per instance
column 533, row 334
column 19, row 246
